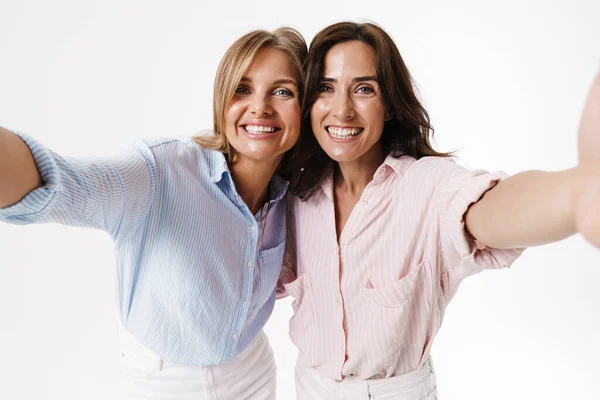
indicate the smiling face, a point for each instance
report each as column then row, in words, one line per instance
column 349, row 114
column 262, row 120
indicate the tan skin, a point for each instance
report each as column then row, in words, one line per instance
column 18, row 173
column 528, row 209
column 347, row 194
column 344, row 204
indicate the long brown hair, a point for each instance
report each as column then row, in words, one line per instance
column 234, row 63
column 408, row 132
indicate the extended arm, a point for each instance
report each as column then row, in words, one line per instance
column 536, row 207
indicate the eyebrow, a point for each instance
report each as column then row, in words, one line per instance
column 277, row 82
column 357, row 79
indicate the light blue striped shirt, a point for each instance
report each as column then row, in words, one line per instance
column 195, row 271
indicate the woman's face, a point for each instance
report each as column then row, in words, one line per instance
column 262, row 121
column 349, row 114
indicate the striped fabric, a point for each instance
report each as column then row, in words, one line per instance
column 371, row 305
column 196, row 271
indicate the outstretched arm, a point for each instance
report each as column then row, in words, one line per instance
column 18, row 172
column 112, row 193
column 536, row 207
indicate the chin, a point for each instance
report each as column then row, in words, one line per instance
column 263, row 155
column 340, row 157
column 337, row 152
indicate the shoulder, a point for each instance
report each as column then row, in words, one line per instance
column 170, row 150
column 428, row 175
column 438, row 170
column 436, row 166
column 176, row 155
column 173, row 144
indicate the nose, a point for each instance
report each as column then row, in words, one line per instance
column 343, row 108
column 261, row 105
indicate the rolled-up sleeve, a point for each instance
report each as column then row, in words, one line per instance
column 112, row 193
column 461, row 254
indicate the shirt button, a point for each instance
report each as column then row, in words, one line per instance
column 250, row 264
column 235, row 336
column 365, row 201
column 244, row 303
column 252, row 227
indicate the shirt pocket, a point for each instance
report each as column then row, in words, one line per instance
column 269, row 267
column 302, row 324
column 396, row 293
column 399, row 314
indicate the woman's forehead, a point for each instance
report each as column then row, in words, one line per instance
column 350, row 59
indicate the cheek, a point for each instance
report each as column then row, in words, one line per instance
column 317, row 113
column 372, row 112
column 314, row 123
column 233, row 113
column 374, row 117
column 293, row 116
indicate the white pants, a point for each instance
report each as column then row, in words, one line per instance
column 249, row 375
column 416, row 385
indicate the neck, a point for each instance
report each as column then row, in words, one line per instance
column 251, row 179
column 353, row 176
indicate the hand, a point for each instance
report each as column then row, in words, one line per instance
column 587, row 211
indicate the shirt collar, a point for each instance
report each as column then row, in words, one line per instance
column 399, row 165
column 217, row 164
column 277, row 188
column 390, row 165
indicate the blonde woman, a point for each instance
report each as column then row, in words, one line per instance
column 198, row 226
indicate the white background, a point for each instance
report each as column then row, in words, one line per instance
column 504, row 83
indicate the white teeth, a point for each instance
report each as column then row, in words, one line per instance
column 343, row 133
column 258, row 129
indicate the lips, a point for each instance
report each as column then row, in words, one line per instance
column 339, row 132
column 259, row 129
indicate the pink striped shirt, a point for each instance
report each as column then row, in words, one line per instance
column 371, row 305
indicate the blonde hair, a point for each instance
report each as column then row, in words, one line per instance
column 235, row 62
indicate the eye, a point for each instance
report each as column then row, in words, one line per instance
column 365, row 90
column 242, row 90
column 323, row 88
column 284, row 92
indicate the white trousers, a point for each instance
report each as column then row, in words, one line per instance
column 416, row 385
column 249, row 375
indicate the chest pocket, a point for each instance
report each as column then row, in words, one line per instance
column 401, row 314
column 266, row 275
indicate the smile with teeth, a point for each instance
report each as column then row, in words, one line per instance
column 260, row 129
column 343, row 133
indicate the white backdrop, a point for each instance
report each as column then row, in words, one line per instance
column 504, row 83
